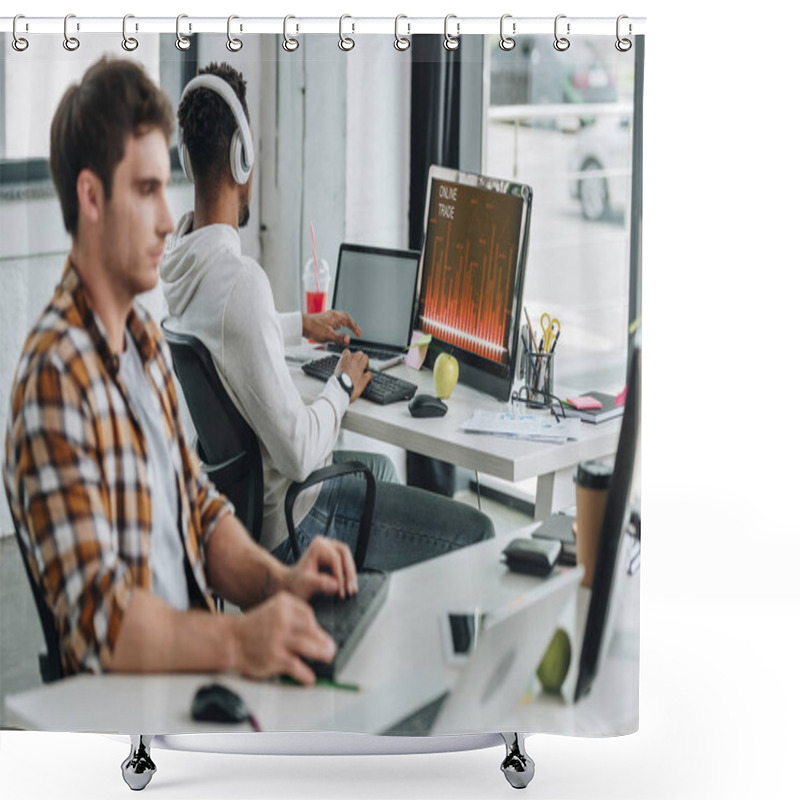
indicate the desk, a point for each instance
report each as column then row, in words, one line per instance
column 408, row 625
column 509, row 459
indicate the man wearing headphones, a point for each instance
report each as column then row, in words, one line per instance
column 120, row 528
column 223, row 297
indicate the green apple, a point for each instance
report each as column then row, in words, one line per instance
column 555, row 662
column 445, row 375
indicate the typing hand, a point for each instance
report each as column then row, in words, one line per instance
column 326, row 567
column 356, row 365
column 276, row 635
column 323, row 327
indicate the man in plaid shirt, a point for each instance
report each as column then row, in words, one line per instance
column 123, row 532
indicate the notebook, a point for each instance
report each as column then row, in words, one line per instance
column 608, row 408
column 376, row 287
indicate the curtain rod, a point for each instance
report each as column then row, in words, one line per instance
column 451, row 26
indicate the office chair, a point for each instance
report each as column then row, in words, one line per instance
column 229, row 450
column 50, row 666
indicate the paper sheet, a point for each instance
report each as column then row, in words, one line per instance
column 539, row 427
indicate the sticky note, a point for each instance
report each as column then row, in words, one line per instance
column 587, row 401
column 418, row 349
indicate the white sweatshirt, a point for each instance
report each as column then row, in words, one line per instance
column 224, row 299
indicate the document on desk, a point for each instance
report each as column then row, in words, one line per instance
column 538, row 427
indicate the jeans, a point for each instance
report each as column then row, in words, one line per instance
column 409, row 524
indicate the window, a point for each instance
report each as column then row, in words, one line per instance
column 563, row 122
column 32, row 83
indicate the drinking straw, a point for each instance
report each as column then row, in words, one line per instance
column 314, row 252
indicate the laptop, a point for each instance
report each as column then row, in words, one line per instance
column 376, row 287
column 492, row 682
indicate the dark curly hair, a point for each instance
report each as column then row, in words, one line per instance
column 114, row 100
column 207, row 124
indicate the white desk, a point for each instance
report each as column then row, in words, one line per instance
column 402, row 647
column 510, row 459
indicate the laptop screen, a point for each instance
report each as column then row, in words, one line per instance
column 376, row 287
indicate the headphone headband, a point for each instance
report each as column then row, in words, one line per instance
column 242, row 152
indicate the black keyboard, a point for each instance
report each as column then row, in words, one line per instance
column 382, row 389
column 347, row 620
column 372, row 353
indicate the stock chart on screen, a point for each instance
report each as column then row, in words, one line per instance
column 470, row 268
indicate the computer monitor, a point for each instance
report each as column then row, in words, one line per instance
column 610, row 552
column 469, row 288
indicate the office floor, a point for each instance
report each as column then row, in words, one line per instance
column 21, row 638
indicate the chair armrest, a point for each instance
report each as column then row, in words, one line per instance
column 325, row 474
column 227, row 471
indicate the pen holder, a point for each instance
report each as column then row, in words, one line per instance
column 537, row 372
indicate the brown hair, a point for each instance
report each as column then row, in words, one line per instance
column 115, row 99
column 207, row 124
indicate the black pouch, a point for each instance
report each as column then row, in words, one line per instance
column 532, row 556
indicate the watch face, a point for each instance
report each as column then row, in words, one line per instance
column 346, row 382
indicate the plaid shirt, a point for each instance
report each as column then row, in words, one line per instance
column 76, row 474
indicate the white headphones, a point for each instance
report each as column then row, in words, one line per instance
column 242, row 154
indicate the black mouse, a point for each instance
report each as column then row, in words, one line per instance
column 216, row 703
column 426, row 405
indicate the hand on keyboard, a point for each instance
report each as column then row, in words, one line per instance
column 279, row 637
column 328, row 326
column 327, row 567
column 356, row 365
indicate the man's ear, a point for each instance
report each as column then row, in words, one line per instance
column 91, row 196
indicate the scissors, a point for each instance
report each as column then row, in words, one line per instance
column 551, row 327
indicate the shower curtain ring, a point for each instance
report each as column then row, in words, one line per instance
column 128, row 42
column 71, row 43
column 623, row 45
column 452, row 42
column 233, row 44
column 181, row 41
column 346, row 42
column 290, row 44
column 400, row 42
column 561, row 43
column 19, row 43
column 507, row 42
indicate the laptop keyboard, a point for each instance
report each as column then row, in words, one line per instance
column 372, row 353
column 347, row 620
column 382, row 389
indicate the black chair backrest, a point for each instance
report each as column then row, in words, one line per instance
column 226, row 443
column 50, row 666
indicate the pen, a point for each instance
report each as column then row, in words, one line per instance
column 530, row 327
column 327, row 682
column 555, row 341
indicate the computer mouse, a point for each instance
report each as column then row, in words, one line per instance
column 216, row 703
column 426, row 405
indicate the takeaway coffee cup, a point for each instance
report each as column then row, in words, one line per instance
column 592, row 480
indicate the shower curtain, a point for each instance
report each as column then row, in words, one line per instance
column 345, row 128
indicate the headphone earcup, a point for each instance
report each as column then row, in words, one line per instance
column 240, row 169
column 186, row 162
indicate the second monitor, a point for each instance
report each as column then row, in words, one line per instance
column 470, row 283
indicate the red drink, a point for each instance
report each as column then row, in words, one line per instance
column 316, row 302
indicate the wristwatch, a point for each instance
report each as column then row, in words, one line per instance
column 346, row 382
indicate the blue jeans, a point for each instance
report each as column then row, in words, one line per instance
column 409, row 525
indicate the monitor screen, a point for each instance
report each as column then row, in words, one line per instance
column 610, row 548
column 470, row 282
